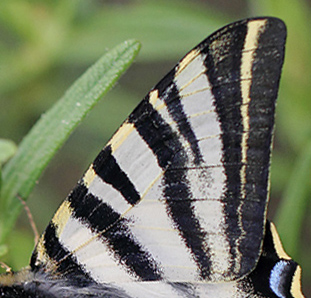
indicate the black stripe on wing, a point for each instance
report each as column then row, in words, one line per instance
column 266, row 69
column 169, row 93
column 65, row 262
column 165, row 144
column 107, row 168
column 113, row 230
column 224, row 72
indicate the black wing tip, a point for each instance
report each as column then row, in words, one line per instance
column 271, row 22
column 275, row 26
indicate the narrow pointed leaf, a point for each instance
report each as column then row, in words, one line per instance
column 54, row 127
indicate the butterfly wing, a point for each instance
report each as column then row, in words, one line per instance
column 180, row 191
column 276, row 274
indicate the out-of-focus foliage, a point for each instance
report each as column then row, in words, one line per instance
column 45, row 46
column 50, row 132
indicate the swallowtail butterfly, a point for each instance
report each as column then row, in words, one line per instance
column 175, row 204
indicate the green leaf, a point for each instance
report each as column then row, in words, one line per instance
column 53, row 128
column 3, row 250
column 294, row 203
column 7, row 150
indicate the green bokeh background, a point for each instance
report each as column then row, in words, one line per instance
column 46, row 45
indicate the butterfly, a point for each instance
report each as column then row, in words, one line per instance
column 175, row 204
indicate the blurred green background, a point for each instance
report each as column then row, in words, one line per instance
column 46, row 45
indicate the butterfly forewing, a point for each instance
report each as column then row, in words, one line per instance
column 180, row 191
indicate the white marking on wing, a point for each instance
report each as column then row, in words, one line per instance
column 207, row 184
column 154, row 229
column 137, row 160
column 92, row 253
column 108, row 194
